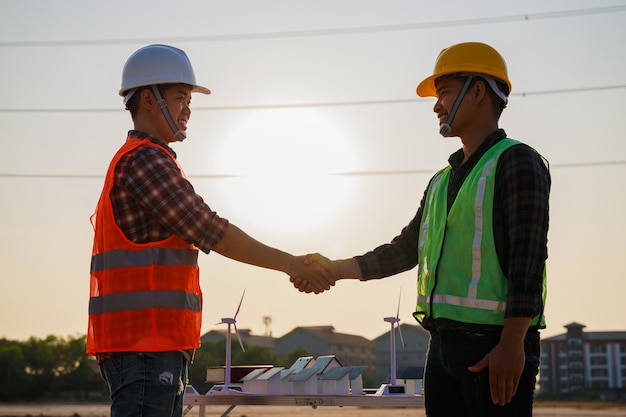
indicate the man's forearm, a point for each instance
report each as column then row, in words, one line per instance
column 239, row 246
column 514, row 329
column 347, row 269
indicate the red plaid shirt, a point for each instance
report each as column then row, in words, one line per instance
column 153, row 200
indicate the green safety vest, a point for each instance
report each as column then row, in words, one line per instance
column 459, row 276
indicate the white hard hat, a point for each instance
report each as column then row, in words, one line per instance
column 158, row 64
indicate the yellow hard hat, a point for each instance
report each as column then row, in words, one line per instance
column 466, row 58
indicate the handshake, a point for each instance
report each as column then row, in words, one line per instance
column 314, row 273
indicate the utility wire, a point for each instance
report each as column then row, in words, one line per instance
column 344, row 174
column 320, row 104
column 327, row 32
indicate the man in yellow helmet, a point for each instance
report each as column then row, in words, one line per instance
column 480, row 240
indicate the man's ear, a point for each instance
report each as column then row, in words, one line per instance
column 479, row 91
column 147, row 99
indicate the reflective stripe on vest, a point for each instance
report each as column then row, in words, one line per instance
column 478, row 235
column 422, row 236
column 158, row 256
column 464, row 302
column 140, row 300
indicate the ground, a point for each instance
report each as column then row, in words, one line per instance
column 90, row 410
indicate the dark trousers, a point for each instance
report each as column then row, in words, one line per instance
column 451, row 390
column 146, row 384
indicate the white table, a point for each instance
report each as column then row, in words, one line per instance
column 234, row 399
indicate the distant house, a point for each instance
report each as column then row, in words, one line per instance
column 350, row 350
column 579, row 361
column 246, row 336
column 413, row 354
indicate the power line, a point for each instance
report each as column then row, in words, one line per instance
column 53, row 176
column 586, row 164
column 319, row 104
column 569, row 90
column 327, row 32
column 429, row 171
column 343, row 174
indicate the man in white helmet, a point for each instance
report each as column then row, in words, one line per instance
column 145, row 306
column 480, row 240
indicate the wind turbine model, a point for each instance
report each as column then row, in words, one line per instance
column 230, row 321
column 392, row 388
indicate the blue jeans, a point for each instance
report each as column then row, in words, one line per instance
column 451, row 390
column 146, row 384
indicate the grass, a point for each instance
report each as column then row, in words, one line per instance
column 582, row 404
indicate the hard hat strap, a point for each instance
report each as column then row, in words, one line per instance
column 494, row 87
column 163, row 106
column 129, row 94
column 446, row 127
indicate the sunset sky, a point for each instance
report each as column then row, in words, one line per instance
column 313, row 140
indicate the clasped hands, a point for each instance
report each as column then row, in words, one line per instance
column 315, row 274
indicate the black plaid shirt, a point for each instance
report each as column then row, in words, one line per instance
column 522, row 188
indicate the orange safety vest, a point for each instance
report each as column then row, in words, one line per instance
column 144, row 297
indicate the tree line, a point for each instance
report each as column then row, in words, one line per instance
column 57, row 367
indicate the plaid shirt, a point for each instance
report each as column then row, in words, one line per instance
column 152, row 199
column 520, row 224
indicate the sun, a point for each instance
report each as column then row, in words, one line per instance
column 283, row 161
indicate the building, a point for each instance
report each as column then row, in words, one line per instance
column 412, row 354
column 350, row 350
column 246, row 336
column 579, row 361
